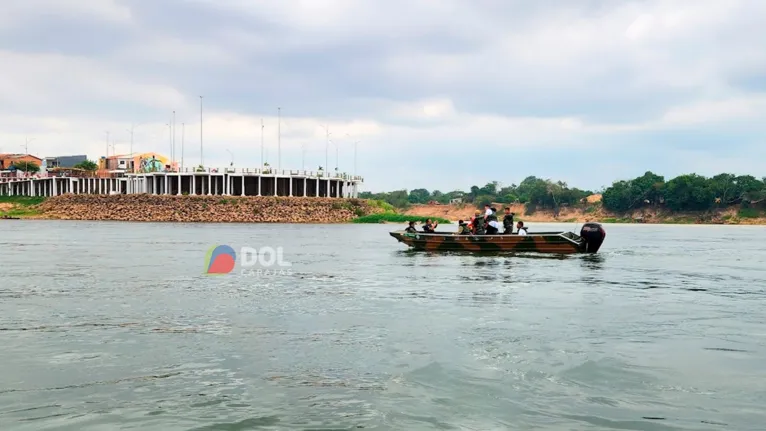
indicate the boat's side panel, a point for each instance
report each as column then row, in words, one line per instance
column 528, row 243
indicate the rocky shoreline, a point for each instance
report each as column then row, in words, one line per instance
column 205, row 209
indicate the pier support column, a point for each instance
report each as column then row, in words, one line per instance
column 276, row 184
column 304, row 187
column 291, row 186
column 316, row 191
column 209, row 183
column 55, row 192
column 193, row 185
column 180, row 183
column 260, row 184
column 243, row 185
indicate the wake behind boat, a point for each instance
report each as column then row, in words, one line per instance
column 589, row 240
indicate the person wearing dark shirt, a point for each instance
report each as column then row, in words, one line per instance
column 411, row 228
column 478, row 224
column 492, row 225
column 508, row 221
column 429, row 226
column 462, row 228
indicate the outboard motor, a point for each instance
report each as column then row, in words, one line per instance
column 593, row 235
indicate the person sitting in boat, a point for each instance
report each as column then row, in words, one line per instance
column 429, row 227
column 462, row 228
column 478, row 224
column 508, row 221
column 411, row 227
column 493, row 227
column 520, row 229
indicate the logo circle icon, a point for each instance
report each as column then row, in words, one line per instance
column 220, row 259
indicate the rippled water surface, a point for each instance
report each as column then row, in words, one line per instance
column 114, row 326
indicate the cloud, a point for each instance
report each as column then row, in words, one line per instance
column 437, row 94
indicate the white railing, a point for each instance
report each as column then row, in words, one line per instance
column 219, row 171
column 264, row 171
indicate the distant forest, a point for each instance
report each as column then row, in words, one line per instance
column 690, row 192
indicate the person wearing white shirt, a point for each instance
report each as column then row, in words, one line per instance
column 521, row 230
column 487, row 211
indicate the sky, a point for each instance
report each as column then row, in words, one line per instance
column 415, row 94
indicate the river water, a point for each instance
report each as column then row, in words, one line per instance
column 114, row 326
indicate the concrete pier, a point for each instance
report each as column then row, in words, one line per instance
column 224, row 182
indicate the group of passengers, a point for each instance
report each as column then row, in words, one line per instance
column 480, row 224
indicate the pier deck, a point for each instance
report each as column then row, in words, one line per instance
column 225, row 182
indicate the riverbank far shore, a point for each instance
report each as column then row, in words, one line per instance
column 204, row 209
column 596, row 213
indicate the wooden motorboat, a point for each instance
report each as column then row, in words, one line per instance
column 589, row 240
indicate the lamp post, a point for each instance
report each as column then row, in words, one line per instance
column 336, row 156
column 327, row 148
column 26, row 145
column 355, row 145
column 170, row 138
column 201, row 158
column 131, row 147
column 26, row 153
column 106, row 157
column 279, row 139
column 173, row 141
column 262, row 144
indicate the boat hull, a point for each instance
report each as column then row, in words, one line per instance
column 553, row 242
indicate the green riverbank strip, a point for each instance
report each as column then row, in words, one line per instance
column 23, row 206
column 396, row 218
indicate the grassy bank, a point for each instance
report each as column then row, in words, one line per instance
column 20, row 206
column 389, row 217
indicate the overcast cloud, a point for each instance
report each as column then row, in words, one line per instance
column 441, row 94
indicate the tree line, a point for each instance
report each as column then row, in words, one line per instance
column 532, row 191
column 689, row 192
column 26, row 166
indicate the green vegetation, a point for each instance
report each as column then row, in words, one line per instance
column 749, row 213
column 22, row 206
column 385, row 206
column 689, row 192
column 22, row 200
column 87, row 165
column 616, row 220
column 396, row 218
column 25, row 166
column 537, row 193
